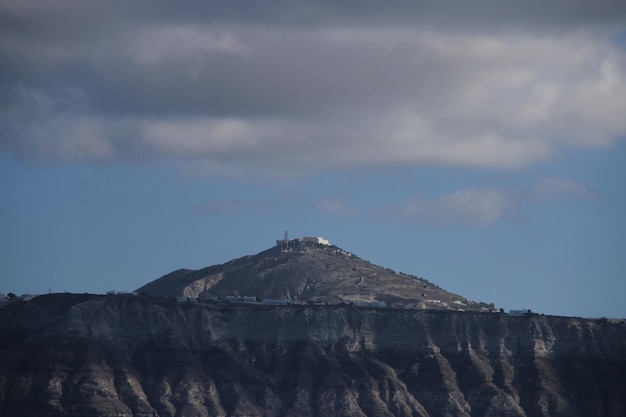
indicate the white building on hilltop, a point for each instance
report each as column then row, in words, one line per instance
column 287, row 245
column 318, row 240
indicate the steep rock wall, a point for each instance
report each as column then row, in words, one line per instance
column 139, row 356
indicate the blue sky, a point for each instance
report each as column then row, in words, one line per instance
column 481, row 149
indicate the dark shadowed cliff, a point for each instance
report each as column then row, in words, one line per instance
column 88, row 355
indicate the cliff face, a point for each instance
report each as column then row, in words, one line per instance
column 141, row 356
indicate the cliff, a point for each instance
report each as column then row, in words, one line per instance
column 87, row 355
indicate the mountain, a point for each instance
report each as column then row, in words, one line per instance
column 123, row 355
column 308, row 270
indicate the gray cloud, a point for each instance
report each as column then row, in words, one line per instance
column 301, row 88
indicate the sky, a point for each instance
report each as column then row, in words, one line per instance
column 480, row 145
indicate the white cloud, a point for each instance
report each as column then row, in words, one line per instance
column 476, row 206
column 486, row 206
column 198, row 137
column 554, row 188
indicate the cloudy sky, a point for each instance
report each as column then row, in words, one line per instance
column 480, row 145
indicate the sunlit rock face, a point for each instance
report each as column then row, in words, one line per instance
column 142, row 356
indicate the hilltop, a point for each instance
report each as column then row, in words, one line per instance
column 309, row 270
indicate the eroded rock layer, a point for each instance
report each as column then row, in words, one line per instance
column 88, row 355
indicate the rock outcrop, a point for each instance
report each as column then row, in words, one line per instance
column 87, row 355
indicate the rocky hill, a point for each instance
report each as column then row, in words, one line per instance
column 309, row 272
column 114, row 355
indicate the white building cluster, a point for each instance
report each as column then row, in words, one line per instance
column 300, row 243
column 313, row 240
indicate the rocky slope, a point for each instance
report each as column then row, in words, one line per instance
column 87, row 355
column 312, row 272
